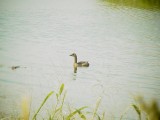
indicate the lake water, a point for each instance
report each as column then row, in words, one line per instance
column 121, row 44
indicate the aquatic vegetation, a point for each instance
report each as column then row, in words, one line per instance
column 60, row 113
column 144, row 111
column 150, row 110
column 142, row 4
column 25, row 106
column 35, row 115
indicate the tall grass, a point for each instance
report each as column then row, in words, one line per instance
column 150, row 110
column 25, row 106
column 71, row 114
column 143, row 110
column 44, row 101
column 96, row 108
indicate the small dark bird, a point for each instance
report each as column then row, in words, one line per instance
column 15, row 67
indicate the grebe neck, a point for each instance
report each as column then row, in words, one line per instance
column 75, row 59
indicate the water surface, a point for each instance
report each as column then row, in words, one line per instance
column 121, row 44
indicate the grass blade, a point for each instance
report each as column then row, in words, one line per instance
column 34, row 117
column 82, row 115
column 103, row 115
column 76, row 111
column 61, row 89
column 137, row 110
column 96, row 108
column 126, row 110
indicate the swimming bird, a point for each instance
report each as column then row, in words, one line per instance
column 15, row 67
column 79, row 64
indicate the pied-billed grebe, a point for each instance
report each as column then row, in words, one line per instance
column 79, row 64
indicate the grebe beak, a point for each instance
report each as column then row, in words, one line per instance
column 71, row 55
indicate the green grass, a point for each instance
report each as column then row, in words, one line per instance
column 142, row 4
column 143, row 110
column 57, row 113
column 35, row 115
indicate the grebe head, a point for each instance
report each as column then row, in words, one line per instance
column 73, row 55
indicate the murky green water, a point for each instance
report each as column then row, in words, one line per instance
column 121, row 44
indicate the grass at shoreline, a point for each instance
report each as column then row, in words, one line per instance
column 144, row 111
column 142, row 4
column 60, row 113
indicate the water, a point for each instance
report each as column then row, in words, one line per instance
column 121, row 44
